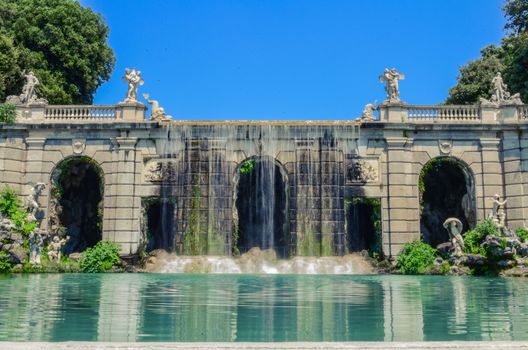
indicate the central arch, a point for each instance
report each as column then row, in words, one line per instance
column 447, row 189
column 261, row 206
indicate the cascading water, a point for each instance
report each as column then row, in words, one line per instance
column 229, row 187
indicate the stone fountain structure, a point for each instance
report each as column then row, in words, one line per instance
column 191, row 171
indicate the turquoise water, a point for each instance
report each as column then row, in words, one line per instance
column 165, row 307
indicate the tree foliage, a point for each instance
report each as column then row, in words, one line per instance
column 510, row 58
column 63, row 43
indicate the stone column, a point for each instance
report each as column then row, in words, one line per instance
column 125, row 207
column 35, row 171
column 491, row 177
column 400, row 208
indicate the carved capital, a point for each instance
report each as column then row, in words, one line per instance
column 35, row 143
column 126, row 143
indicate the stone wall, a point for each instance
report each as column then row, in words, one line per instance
column 324, row 163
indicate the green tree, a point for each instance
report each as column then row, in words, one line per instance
column 63, row 43
column 474, row 79
column 510, row 58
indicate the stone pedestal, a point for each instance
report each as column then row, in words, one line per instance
column 131, row 111
column 393, row 112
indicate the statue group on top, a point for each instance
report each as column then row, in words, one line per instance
column 133, row 79
column 391, row 79
column 29, row 92
column 501, row 95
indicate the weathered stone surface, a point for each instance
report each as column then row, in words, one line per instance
column 475, row 260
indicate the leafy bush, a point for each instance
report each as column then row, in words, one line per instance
column 5, row 264
column 247, row 167
column 7, row 113
column 11, row 206
column 522, row 233
column 473, row 238
column 100, row 258
column 416, row 258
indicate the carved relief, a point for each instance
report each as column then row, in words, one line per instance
column 78, row 146
column 158, row 171
column 445, row 147
column 362, row 171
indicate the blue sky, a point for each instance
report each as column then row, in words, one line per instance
column 291, row 59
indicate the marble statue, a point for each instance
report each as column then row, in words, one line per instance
column 391, row 77
column 368, row 112
column 35, row 242
column 32, row 201
column 55, row 248
column 454, row 227
column 133, row 79
column 501, row 95
column 29, row 93
column 498, row 215
column 156, row 112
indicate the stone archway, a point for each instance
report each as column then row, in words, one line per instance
column 76, row 203
column 447, row 189
column 261, row 206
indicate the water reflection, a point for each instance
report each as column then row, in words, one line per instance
column 134, row 307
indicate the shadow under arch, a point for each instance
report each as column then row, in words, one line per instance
column 76, row 202
column 447, row 189
column 261, row 206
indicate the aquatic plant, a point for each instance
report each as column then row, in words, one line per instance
column 100, row 258
column 416, row 257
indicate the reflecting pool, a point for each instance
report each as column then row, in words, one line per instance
column 178, row 307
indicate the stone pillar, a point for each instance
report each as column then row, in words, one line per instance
column 125, row 207
column 307, row 191
column 400, row 209
column 131, row 112
column 219, row 228
column 35, row 171
column 489, row 113
column 514, row 179
column 491, row 176
column 393, row 112
column 332, row 201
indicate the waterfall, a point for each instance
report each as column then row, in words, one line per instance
column 227, row 187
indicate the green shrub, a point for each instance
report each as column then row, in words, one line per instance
column 5, row 264
column 522, row 233
column 416, row 258
column 7, row 113
column 247, row 167
column 473, row 238
column 11, row 206
column 100, row 258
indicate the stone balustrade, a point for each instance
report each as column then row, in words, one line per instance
column 75, row 113
column 400, row 113
column 441, row 113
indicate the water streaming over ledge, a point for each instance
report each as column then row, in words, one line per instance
column 290, row 196
column 258, row 261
